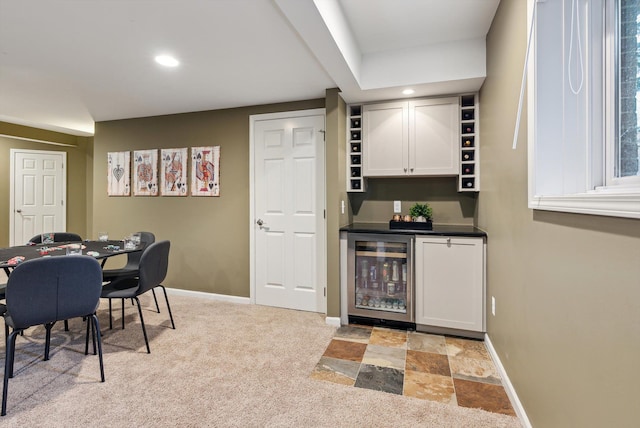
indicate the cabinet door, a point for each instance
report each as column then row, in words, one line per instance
column 433, row 136
column 385, row 139
column 450, row 282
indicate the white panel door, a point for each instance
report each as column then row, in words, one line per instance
column 385, row 139
column 433, row 136
column 38, row 194
column 450, row 282
column 289, row 194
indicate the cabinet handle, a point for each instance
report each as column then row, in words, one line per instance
column 449, row 242
column 405, row 170
column 411, row 169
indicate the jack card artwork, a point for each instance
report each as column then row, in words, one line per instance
column 174, row 172
column 118, row 173
column 205, row 171
column 145, row 172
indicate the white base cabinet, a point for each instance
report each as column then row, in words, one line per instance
column 450, row 283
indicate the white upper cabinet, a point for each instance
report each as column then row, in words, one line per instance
column 411, row 138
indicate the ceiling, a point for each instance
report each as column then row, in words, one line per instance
column 65, row 64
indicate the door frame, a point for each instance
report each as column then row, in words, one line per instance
column 12, row 208
column 252, row 214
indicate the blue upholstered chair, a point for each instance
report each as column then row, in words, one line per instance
column 58, row 237
column 154, row 263
column 43, row 291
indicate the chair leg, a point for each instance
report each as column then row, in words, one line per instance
column 144, row 330
column 155, row 299
column 66, row 325
column 123, row 313
column 110, row 317
column 86, row 341
column 47, row 340
column 168, row 307
column 8, row 368
column 96, row 327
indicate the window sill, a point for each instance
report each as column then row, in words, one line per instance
column 609, row 202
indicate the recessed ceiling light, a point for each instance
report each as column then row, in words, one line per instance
column 167, row 61
column 408, row 91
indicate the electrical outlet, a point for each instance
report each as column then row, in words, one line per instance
column 397, row 207
column 493, row 306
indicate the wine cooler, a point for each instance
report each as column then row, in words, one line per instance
column 380, row 279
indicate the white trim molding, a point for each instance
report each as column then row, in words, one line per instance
column 508, row 387
column 209, row 296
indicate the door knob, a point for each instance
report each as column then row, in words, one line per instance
column 18, row 211
column 259, row 222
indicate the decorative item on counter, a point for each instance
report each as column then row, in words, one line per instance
column 420, row 218
column 421, row 212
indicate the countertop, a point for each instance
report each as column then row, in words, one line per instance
column 438, row 230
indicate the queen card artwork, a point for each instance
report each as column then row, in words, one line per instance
column 145, row 172
column 205, row 171
column 118, row 173
column 174, row 172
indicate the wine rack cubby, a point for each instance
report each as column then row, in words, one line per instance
column 469, row 178
column 355, row 181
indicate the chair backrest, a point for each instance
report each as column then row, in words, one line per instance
column 133, row 259
column 58, row 237
column 50, row 289
column 153, row 265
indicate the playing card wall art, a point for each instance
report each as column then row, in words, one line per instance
column 118, row 173
column 145, row 172
column 173, row 172
column 205, row 171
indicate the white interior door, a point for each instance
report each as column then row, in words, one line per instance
column 288, row 193
column 38, row 194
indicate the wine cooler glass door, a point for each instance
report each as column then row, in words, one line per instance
column 381, row 277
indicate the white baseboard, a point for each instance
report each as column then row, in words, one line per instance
column 508, row 387
column 334, row 321
column 210, row 296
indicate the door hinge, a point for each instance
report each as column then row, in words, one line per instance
column 325, row 291
column 324, row 214
column 324, row 134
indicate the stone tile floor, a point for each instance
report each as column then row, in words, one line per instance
column 450, row 370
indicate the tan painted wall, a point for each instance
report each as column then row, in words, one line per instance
column 209, row 236
column 567, row 286
column 78, row 173
column 336, row 145
column 449, row 206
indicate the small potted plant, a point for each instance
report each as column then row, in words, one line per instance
column 421, row 212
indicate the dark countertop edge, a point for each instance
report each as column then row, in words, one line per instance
column 438, row 230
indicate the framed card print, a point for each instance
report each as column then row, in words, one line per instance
column 205, row 171
column 118, row 173
column 173, row 172
column 145, row 172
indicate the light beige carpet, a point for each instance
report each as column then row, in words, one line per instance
column 226, row 365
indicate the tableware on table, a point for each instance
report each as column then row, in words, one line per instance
column 103, row 236
column 129, row 244
column 135, row 237
column 46, row 238
column 74, row 249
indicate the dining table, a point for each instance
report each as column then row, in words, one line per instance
column 101, row 250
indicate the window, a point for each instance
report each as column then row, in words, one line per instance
column 584, row 107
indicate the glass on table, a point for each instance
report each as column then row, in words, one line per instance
column 74, row 249
column 129, row 244
column 103, row 236
column 135, row 238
